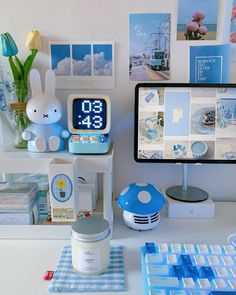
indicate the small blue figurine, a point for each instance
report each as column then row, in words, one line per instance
column 44, row 110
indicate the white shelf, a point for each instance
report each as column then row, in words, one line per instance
column 14, row 160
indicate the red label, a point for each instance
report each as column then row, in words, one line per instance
column 48, row 275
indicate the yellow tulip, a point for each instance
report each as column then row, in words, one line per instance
column 33, row 40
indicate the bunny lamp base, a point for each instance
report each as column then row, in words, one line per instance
column 44, row 138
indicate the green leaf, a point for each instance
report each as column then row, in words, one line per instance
column 28, row 63
column 19, row 67
column 13, row 68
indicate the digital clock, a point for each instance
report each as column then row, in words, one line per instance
column 89, row 121
column 89, row 114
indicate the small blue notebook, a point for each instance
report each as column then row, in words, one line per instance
column 65, row 279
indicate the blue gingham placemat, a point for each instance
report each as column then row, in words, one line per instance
column 65, row 279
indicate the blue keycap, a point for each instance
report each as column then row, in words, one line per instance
column 222, row 293
column 207, row 273
column 171, row 272
column 186, row 260
column 150, row 248
column 193, row 272
column 178, row 271
column 177, row 292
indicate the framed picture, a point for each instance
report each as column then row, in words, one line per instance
column 83, row 65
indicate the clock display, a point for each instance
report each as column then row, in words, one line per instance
column 89, row 114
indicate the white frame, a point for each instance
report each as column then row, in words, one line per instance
column 84, row 82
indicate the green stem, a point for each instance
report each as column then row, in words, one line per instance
column 21, row 123
column 28, row 63
column 21, row 89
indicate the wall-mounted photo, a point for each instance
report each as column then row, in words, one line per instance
column 60, row 59
column 210, row 64
column 149, row 36
column 82, row 60
column 197, row 20
column 233, row 23
column 84, row 65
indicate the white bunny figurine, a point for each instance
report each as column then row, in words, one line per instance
column 44, row 111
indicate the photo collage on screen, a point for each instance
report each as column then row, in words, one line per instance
column 187, row 123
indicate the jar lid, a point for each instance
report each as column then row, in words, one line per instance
column 90, row 229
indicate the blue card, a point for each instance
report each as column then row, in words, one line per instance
column 209, row 64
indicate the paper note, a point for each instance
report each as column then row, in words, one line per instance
column 177, row 115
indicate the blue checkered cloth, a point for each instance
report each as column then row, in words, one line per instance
column 65, row 279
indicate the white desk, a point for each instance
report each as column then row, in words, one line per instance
column 25, row 260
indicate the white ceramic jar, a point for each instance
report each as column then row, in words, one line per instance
column 90, row 245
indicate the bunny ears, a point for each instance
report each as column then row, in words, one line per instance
column 35, row 82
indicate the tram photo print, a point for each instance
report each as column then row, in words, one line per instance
column 149, row 57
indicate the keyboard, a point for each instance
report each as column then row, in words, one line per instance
column 188, row 269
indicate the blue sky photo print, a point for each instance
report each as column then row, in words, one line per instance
column 60, row 54
column 85, row 59
column 102, row 59
column 82, row 63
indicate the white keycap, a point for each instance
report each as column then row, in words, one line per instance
column 221, row 271
column 204, row 283
column 202, row 249
column 189, row 248
column 158, row 269
column 163, row 247
column 219, row 283
column 154, row 258
column 216, row 249
column 176, row 248
column 199, row 259
column 229, row 249
column 233, row 271
column 171, row 282
column 213, row 260
column 227, row 260
column 171, row 259
column 232, row 284
column 188, row 283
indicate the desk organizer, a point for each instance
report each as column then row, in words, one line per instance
column 65, row 279
column 64, row 198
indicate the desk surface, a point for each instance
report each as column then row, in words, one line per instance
column 24, row 260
